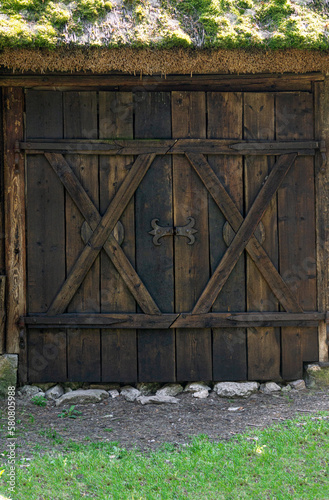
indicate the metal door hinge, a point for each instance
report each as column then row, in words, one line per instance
column 188, row 231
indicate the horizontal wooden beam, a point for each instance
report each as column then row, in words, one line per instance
column 184, row 320
column 171, row 146
column 101, row 320
column 262, row 82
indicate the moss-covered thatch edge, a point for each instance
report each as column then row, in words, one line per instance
column 163, row 61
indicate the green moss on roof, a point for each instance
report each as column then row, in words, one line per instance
column 265, row 24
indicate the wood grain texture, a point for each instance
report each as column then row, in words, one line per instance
column 83, row 347
column 47, row 356
column 263, row 343
column 156, row 350
column 14, row 193
column 2, row 313
column 111, row 247
column 254, row 248
column 2, row 190
column 259, row 82
column 245, row 232
column 321, row 112
column 192, row 267
column 229, row 345
column 45, row 220
column 119, row 348
column 296, row 216
column 101, row 234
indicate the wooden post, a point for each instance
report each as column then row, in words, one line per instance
column 14, row 192
column 321, row 102
column 2, row 313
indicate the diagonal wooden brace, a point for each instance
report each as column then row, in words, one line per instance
column 244, row 229
column 102, row 232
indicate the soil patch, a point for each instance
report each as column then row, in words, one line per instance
column 148, row 427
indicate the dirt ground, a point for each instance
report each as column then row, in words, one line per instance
column 148, row 427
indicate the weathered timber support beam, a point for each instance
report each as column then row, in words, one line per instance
column 321, row 105
column 185, row 320
column 171, row 146
column 226, row 82
column 14, row 194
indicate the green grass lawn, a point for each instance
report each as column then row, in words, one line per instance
column 288, row 461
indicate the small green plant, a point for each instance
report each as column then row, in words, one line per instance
column 108, row 430
column 70, row 413
column 31, row 418
column 39, row 400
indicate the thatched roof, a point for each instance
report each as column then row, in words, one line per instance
column 165, row 36
column 165, row 23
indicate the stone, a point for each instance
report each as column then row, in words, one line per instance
column 54, row 392
column 67, row 389
column 28, row 391
column 269, row 388
column 148, row 388
column 286, row 388
column 170, row 390
column 130, row 393
column 201, row 394
column 82, row 396
column 298, row 385
column 8, row 373
column 45, row 387
column 235, row 389
column 197, row 387
column 114, row 393
column 317, row 376
column 157, row 399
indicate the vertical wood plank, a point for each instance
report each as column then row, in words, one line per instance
column 80, row 122
column 321, row 112
column 119, row 350
column 2, row 313
column 229, row 344
column 45, row 231
column 296, row 216
column 263, row 343
column 194, row 360
column 14, row 191
column 156, row 348
column 2, row 208
column 47, row 356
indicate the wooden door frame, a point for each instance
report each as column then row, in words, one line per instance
column 13, row 336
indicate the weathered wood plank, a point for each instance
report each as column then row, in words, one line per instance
column 264, row 348
column 45, row 218
column 2, row 190
column 245, row 232
column 169, row 146
column 156, row 350
column 14, row 193
column 254, row 248
column 47, row 356
column 116, row 320
column 321, row 112
column 101, row 233
column 2, row 313
column 111, row 246
column 264, row 82
column 229, row 345
column 296, row 206
column 83, row 348
column 192, row 267
column 119, row 348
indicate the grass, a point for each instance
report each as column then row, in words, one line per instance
column 287, row 461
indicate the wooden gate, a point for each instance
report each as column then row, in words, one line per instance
column 170, row 235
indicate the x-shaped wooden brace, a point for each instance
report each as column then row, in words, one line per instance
column 244, row 229
column 101, row 237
